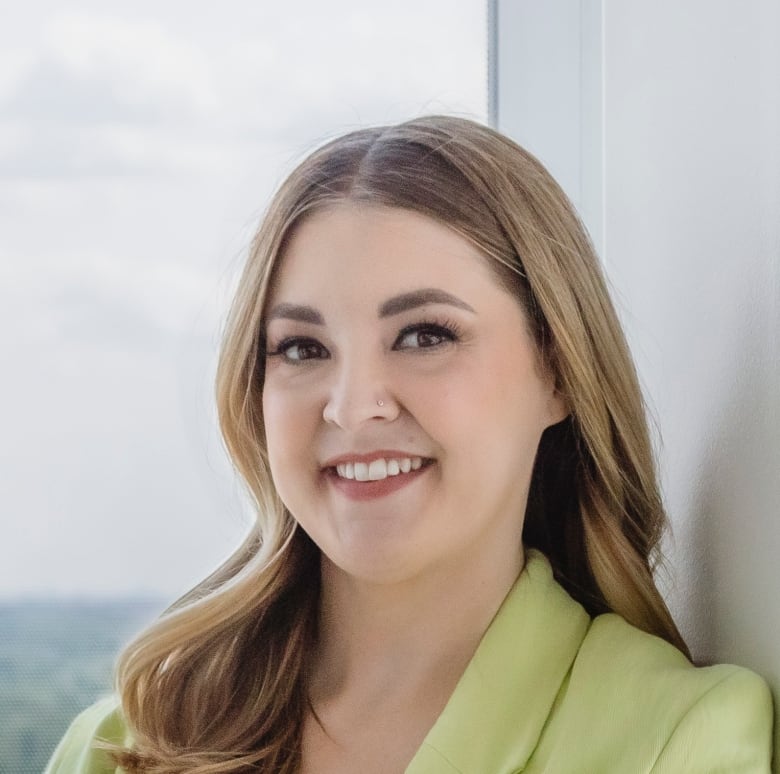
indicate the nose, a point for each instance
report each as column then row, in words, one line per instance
column 359, row 392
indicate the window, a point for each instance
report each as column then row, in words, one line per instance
column 138, row 147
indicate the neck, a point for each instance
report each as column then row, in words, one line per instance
column 384, row 639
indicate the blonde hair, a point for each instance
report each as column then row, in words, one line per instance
column 218, row 684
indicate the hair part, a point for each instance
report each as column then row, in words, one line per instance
column 218, row 684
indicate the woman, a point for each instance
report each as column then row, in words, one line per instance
column 427, row 391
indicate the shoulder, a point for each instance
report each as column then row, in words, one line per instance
column 77, row 754
column 671, row 716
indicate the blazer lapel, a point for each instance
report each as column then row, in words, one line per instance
column 495, row 716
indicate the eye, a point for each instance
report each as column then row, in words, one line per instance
column 425, row 336
column 296, row 350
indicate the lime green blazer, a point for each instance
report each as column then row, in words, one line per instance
column 551, row 690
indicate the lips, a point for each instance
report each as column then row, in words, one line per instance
column 383, row 482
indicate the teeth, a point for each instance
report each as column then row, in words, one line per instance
column 379, row 469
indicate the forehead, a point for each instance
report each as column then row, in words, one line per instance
column 371, row 251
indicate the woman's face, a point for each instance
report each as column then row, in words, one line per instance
column 395, row 356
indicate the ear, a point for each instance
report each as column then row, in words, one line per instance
column 557, row 407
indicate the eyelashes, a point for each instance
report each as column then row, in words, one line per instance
column 423, row 336
column 308, row 349
column 434, row 333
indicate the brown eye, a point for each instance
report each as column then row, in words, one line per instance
column 424, row 336
column 298, row 350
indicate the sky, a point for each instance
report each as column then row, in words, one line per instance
column 139, row 146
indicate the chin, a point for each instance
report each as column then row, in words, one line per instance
column 375, row 565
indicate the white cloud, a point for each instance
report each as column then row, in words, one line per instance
column 358, row 63
column 112, row 96
column 129, row 69
column 137, row 148
column 108, row 97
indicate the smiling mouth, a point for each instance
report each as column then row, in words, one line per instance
column 379, row 469
column 356, row 482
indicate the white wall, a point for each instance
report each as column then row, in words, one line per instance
column 675, row 165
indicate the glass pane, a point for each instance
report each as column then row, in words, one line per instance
column 138, row 147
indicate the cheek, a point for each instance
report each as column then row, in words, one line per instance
column 284, row 420
column 493, row 411
column 288, row 442
column 273, row 415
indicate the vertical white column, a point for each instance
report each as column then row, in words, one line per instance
column 546, row 92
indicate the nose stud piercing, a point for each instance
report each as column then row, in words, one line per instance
column 380, row 403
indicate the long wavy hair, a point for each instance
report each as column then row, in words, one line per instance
column 219, row 683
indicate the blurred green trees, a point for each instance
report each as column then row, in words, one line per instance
column 56, row 657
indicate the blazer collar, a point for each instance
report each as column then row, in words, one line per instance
column 495, row 716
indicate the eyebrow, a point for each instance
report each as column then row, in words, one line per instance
column 298, row 312
column 416, row 298
column 395, row 305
